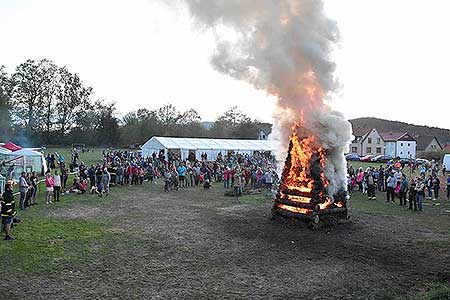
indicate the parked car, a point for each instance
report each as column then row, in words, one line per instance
column 382, row 158
column 352, row 156
column 423, row 161
column 367, row 158
column 406, row 161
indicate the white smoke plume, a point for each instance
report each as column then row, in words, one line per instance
column 283, row 47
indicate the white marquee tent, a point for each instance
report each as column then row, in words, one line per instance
column 212, row 147
column 4, row 152
column 27, row 160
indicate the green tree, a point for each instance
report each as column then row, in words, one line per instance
column 225, row 126
column 31, row 88
column 107, row 125
column 5, row 115
column 72, row 97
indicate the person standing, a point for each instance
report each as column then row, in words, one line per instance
column 98, row 181
column 448, row 187
column 404, row 185
column 390, row 187
column 436, row 187
column 269, row 179
column 182, row 174
column 141, row 175
column 237, row 185
column 226, row 181
column 8, row 210
column 34, row 188
column 191, row 176
column 106, row 179
column 359, row 179
column 197, row 172
column 29, row 191
column 420, row 194
column 64, row 178
column 56, row 186
column 380, row 179
column 23, row 188
column 49, row 188
column 429, row 187
column 370, row 179
column 119, row 175
column 91, row 176
column 167, row 180
column 413, row 195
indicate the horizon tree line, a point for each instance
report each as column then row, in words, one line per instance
column 44, row 104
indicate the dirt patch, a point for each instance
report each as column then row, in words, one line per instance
column 78, row 211
column 196, row 244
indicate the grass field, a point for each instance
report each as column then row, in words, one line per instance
column 186, row 244
column 92, row 157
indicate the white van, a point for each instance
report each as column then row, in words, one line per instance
column 446, row 162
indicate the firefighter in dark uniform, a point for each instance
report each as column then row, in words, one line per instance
column 8, row 210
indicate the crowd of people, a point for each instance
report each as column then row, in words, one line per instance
column 234, row 170
column 238, row 172
column 393, row 182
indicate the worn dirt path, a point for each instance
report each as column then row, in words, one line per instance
column 196, row 244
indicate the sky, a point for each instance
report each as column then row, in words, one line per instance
column 392, row 60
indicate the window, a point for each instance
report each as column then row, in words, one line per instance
column 369, row 140
column 369, row 150
column 378, row 140
column 409, row 144
column 409, row 152
column 401, row 144
column 354, row 149
column 401, row 152
column 378, row 150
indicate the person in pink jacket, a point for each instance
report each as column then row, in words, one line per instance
column 49, row 183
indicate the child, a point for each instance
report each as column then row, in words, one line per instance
column 207, row 184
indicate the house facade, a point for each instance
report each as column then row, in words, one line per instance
column 367, row 141
column 359, row 134
column 372, row 143
column 262, row 136
column 429, row 144
column 399, row 144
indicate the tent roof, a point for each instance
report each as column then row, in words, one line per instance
column 26, row 152
column 11, row 146
column 4, row 150
column 211, row 144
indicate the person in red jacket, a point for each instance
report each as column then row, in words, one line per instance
column 226, row 178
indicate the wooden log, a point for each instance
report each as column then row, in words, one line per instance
column 295, row 204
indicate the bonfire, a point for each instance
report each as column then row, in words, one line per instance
column 303, row 192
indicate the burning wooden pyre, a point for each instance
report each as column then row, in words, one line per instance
column 303, row 190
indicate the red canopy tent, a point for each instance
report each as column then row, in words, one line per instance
column 11, row 146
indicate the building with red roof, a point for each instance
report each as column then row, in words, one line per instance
column 399, row 144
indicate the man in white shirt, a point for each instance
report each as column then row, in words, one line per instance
column 23, row 188
column 56, row 186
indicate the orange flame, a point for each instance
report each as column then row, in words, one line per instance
column 293, row 209
column 305, row 153
column 301, row 155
